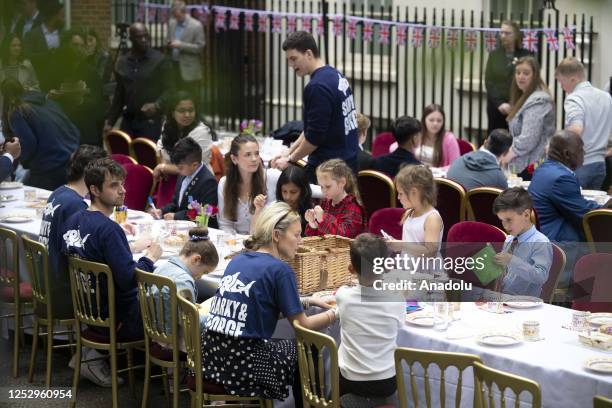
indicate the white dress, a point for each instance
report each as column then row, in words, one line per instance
column 202, row 136
column 413, row 231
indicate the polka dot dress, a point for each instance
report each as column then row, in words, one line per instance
column 249, row 367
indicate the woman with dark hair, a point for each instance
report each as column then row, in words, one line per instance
column 47, row 136
column 14, row 65
column 498, row 74
column 293, row 188
column 531, row 119
column 182, row 120
column 438, row 147
column 97, row 56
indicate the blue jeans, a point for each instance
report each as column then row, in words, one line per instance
column 591, row 176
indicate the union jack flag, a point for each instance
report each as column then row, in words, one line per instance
column 452, row 37
column 306, row 24
column 351, row 30
column 401, row 35
column 417, row 37
column 248, row 21
column 383, row 34
column 202, row 14
column 234, row 20
column 277, row 23
column 338, row 25
column 491, row 40
column 316, row 25
column 368, row 31
column 220, row 21
column 152, row 14
column 435, row 35
column 530, row 40
column 261, row 27
column 163, row 15
column 140, row 16
column 471, row 39
column 551, row 40
column 291, row 24
column 568, row 37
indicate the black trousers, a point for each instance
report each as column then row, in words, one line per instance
column 496, row 119
column 370, row 389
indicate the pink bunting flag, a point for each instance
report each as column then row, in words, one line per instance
column 277, row 23
column 470, row 39
column 368, row 30
column 306, row 24
column 490, row 41
column 452, row 37
column 568, row 37
column 530, row 40
column 248, row 21
column 435, row 36
column 234, row 20
column 338, row 26
column 384, row 33
column 417, row 37
column 261, row 27
column 220, row 21
column 351, row 29
column 401, row 35
column 551, row 40
column 291, row 24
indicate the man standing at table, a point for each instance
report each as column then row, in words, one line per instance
column 330, row 121
column 144, row 77
column 93, row 236
column 186, row 42
column 588, row 112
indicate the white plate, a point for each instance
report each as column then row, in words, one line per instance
column 597, row 319
column 594, row 193
column 7, row 198
column 424, row 319
column 602, row 365
column 136, row 215
column 499, row 339
column 9, row 185
column 16, row 219
column 522, row 302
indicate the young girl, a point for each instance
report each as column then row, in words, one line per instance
column 293, row 188
column 245, row 179
column 182, row 121
column 438, row 147
column 422, row 224
column 341, row 211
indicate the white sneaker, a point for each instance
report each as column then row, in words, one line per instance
column 98, row 373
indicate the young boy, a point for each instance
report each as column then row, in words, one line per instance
column 369, row 324
column 195, row 181
column 527, row 253
column 406, row 131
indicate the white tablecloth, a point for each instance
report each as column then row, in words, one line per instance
column 556, row 363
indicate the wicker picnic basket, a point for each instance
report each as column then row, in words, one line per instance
column 322, row 263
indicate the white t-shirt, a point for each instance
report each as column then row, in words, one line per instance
column 368, row 330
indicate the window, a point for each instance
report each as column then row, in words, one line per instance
column 515, row 8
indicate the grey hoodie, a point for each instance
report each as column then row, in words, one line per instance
column 477, row 169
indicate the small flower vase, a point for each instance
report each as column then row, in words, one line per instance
column 202, row 221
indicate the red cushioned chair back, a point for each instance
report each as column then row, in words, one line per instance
column 138, row 184
column 381, row 144
column 118, row 142
column 465, row 147
column 377, row 190
column 450, row 204
column 480, row 205
column 164, row 191
column 387, row 219
column 122, row 159
column 145, row 152
column 593, row 283
column 467, row 238
column 558, row 264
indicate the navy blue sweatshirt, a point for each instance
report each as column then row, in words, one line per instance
column 93, row 236
column 330, row 122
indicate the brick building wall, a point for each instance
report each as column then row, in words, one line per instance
column 94, row 14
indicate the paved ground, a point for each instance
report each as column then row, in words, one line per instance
column 89, row 395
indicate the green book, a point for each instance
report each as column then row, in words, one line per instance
column 490, row 270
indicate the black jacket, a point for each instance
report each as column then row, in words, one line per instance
column 391, row 163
